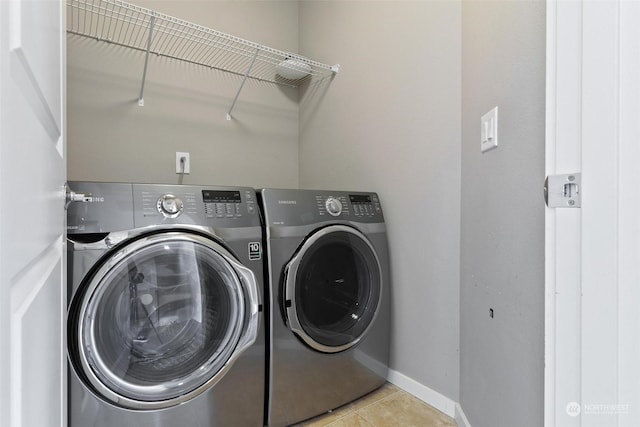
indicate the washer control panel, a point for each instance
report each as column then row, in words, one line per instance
column 126, row 206
column 222, row 203
column 215, row 206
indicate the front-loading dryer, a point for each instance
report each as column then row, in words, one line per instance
column 164, row 318
column 328, row 285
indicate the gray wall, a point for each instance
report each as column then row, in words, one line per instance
column 401, row 118
column 111, row 138
column 390, row 122
column 502, row 359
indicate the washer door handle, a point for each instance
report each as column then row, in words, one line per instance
column 249, row 283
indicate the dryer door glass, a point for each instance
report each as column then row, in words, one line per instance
column 160, row 319
column 336, row 288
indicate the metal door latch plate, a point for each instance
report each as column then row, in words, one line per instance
column 563, row 191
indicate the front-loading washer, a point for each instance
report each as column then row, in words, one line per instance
column 328, row 290
column 164, row 317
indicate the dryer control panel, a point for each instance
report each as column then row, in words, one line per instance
column 365, row 204
column 300, row 207
column 357, row 205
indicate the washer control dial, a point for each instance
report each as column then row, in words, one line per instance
column 170, row 206
column 334, row 206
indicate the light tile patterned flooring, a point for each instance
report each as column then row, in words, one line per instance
column 386, row 407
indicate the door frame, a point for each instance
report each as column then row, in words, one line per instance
column 591, row 274
column 562, row 226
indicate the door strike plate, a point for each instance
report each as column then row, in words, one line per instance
column 563, row 191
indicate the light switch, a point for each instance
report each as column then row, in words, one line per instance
column 489, row 130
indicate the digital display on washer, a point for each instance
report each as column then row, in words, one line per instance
column 359, row 198
column 213, row 196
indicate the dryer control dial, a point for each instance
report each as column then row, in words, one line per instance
column 170, row 206
column 334, row 206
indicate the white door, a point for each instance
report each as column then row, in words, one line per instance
column 593, row 253
column 32, row 216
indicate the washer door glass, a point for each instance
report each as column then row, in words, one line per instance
column 160, row 319
column 333, row 289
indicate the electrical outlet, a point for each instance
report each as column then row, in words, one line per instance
column 183, row 165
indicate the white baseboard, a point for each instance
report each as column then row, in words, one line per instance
column 461, row 418
column 427, row 395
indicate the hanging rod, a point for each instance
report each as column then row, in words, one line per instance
column 135, row 27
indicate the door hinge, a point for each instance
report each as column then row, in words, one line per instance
column 563, row 191
column 72, row 196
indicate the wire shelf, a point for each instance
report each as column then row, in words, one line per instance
column 135, row 27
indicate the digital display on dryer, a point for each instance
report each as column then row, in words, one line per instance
column 359, row 198
column 213, row 196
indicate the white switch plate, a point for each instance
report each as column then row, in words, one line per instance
column 489, row 130
column 183, row 168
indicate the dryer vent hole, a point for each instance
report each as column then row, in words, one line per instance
column 491, row 313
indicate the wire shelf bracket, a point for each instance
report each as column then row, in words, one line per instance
column 244, row 80
column 146, row 61
column 151, row 32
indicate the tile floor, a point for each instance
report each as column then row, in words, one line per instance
column 386, row 407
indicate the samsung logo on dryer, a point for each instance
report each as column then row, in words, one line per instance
column 287, row 202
